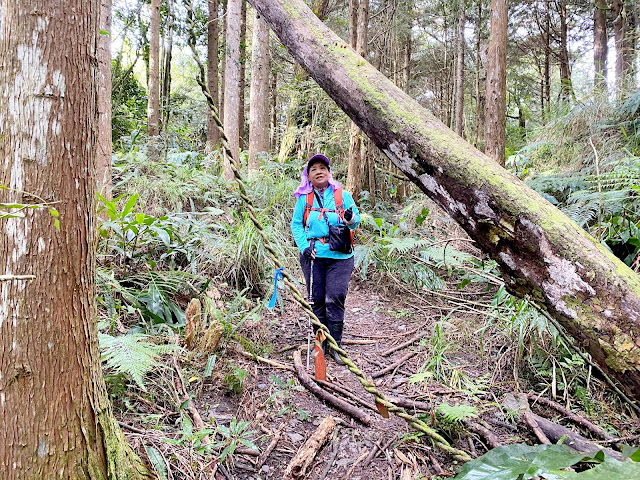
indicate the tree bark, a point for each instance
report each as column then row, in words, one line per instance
column 357, row 33
column 600, row 48
column 543, row 255
column 55, row 417
column 232, row 83
column 566, row 86
column 618, row 12
column 213, row 135
column 274, row 110
column 495, row 118
column 259, row 95
column 290, row 135
column 459, row 117
column 166, row 70
column 242, row 78
column 153, row 105
column 103, row 154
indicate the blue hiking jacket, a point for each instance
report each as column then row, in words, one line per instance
column 317, row 227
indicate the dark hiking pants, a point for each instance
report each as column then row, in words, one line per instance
column 330, row 285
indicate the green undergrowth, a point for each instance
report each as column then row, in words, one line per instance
column 586, row 161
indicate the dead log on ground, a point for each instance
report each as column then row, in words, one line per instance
column 417, row 338
column 301, row 461
column 596, row 430
column 307, row 382
column 272, row 444
column 552, row 431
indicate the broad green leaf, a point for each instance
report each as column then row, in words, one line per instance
column 518, row 461
column 213, row 210
column 157, row 461
column 104, row 32
column 130, row 204
column 54, row 212
column 164, row 236
column 632, row 453
column 187, row 426
column 211, row 362
column 609, row 470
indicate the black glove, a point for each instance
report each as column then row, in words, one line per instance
column 308, row 253
column 348, row 214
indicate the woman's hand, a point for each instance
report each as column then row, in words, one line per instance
column 309, row 253
column 348, row 215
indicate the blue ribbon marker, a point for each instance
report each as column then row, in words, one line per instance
column 278, row 276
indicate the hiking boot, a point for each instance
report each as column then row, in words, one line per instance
column 336, row 358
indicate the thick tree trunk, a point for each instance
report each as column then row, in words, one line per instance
column 232, row 83
column 600, row 48
column 213, row 135
column 542, row 253
column 459, row 116
column 103, row 154
column 495, row 118
column 153, row 105
column 259, row 95
column 274, row 110
column 55, row 417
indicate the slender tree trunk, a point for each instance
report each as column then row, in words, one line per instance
column 618, row 12
column 358, row 34
column 496, row 83
column 480, row 83
column 600, row 49
column 213, row 135
column 541, row 252
column 153, row 106
column 223, row 60
column 274, row 110
column 55, row 416
column 460, row 71
column 103, row 155
column 242, row 80
column 291, row 131
column 166, row 71
column 232, row 83
column 547, row 62
column 566, row 86
column 259, row 95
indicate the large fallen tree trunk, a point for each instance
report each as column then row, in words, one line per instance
column 543, row 254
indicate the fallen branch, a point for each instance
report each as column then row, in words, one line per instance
column 375, row 450
column 359, row 342
column 393, row 366
column 301, row 461
column 346, row 393
column 272, row 444
column 340, row 404
column 487, row 434
column 596, row 430
column 402, row 345
column 576, row 441
column 267, row 361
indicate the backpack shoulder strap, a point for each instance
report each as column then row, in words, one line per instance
column 337, row 197
column 307, row 208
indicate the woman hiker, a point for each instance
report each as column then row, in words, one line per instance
column 321, row 202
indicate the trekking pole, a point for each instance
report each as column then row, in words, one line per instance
column 309, row 329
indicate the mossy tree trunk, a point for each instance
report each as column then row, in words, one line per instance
column 55, row 417
column 543, row 254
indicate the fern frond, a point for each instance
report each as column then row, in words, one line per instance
column 133, row 354
column 401, row 245
column 457, row 413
